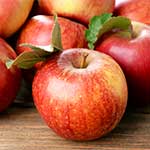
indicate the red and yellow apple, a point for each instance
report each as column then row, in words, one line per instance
column 9, row 78
column 79, row 10
column 13, row 14
column 81, row 94
column 133, row 55
column 137, row 10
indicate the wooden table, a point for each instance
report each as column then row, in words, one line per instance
column 21, row 128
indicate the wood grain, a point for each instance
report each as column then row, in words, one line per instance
column 21, row 128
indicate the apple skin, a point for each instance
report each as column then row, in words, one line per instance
column 137, row 10
column 38, row 31
column 10, row 79
column 133, row 55
column 80, row 103
column 79, row 10
column 13, row 14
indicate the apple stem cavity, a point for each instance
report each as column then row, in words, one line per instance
column 138, row 29
column 82, row 61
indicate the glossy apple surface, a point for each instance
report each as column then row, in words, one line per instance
column 133, row 55
column 81, row 94
column 13, row 14
column 137, row 10
column 79, row 10
column 9, row 78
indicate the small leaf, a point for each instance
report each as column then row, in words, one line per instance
column 94, row 27
column 27, row 59
column 56, row 34
column 105, row 23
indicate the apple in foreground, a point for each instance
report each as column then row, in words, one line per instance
column 12, row 15
column 133, row 55
column 9, row 78
column 137, row 10
column 80, row 10
column 81, row 94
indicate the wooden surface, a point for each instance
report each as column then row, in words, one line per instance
column 21, row 128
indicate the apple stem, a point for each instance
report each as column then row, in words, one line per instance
column 83, row 63
column 132, row 32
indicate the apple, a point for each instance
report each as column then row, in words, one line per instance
column 12, row 15
column 79, row 10
column 133, row 55
column 38, row 31
column 9, row 78
column 80, row 93
column 137, row 10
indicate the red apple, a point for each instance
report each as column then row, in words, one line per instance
column 80, row 93
column 137, row 10
column 133, row 55
column 38, row 31
column 9, row 78
column 79, row 10
column 12, row 15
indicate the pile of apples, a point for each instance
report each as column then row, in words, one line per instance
column 81, row 93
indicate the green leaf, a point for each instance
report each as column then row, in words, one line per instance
column 105, row 23
column 27, row 59
column 56, row 34
column 95, row 25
